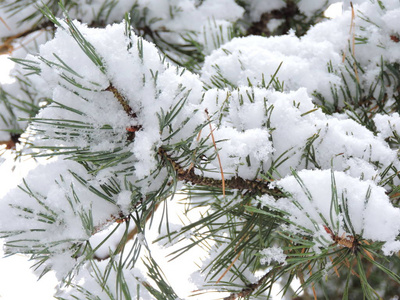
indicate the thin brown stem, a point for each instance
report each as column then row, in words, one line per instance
column 254, row 186
column 249, row 289
column 12, row 142
column 129, row 111
column 216, row 151
column 7, row 48
column 121, row 99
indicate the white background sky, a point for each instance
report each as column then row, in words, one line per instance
column 16, row 279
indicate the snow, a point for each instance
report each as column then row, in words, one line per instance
column 6, row 65
column 87, row 281
column 387, row 125
column 304, row 60
column 201, row 278
column 334, row 10
column 258, row 130
column 252, row 144
column 390, row 19
column 254, row 58
column 311, row 7
column 293, row 120
column 272, row 254
column 371, row 214
column 53, row 212
column 124, row 200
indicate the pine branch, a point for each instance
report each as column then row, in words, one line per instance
column 129, row 111
column 188, row 175
column 240, row 223
column 121, row 100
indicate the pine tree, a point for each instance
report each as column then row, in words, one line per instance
column 270, row 129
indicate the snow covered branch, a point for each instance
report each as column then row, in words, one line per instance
column 287, row 144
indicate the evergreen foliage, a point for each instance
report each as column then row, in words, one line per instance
column 269, row 129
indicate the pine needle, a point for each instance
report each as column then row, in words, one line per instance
column 353, row 39
column 334, row 267
column 216, row 151
column 194, row 153
column 5, row 24
column 230, row 266
column 312, row 284
column 353, row 42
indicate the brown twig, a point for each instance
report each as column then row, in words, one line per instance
column 6, row 47
column 129, row 111
column 121, row 99
column 254, row 186
column 12, row 142
column 249, row 289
